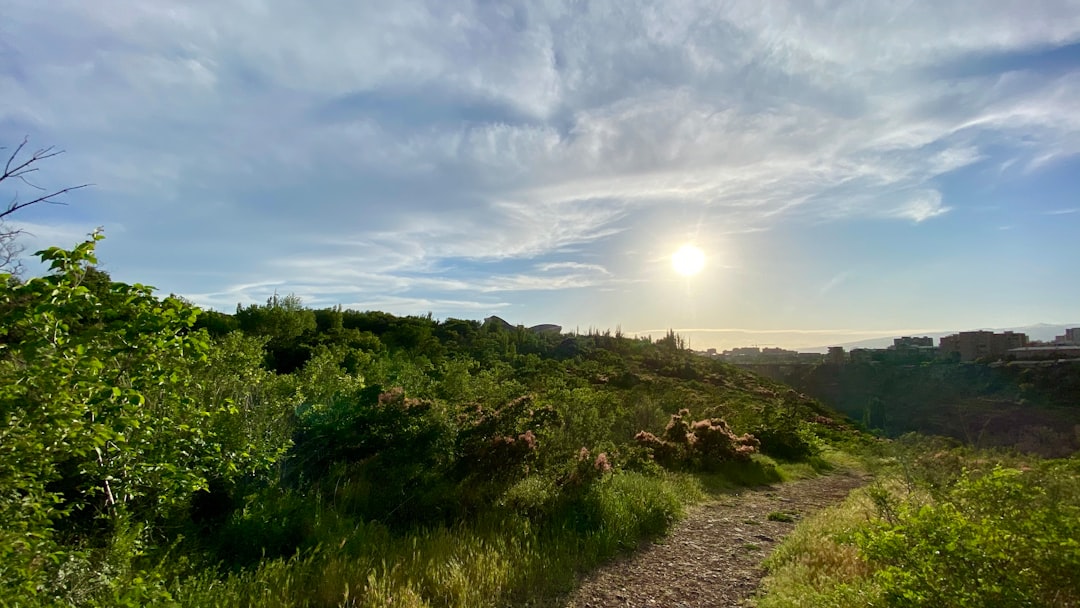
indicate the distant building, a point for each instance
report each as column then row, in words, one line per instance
column 753, row 354
column 836, row 355
column 498, row 322
column 862, row 355
column 1071, row 336
column 544, row 328
column 911, row 342
column 972, row 345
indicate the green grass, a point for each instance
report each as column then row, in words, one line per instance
column 956, row 528
column 496, row 560
column 814, row 566
column 530, row 551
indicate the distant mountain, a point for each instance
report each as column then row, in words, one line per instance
column 1038, row 331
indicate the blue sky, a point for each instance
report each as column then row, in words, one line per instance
column 850, row 169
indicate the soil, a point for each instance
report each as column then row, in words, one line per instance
column 713, row 556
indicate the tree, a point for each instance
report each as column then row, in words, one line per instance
column 112, row 410
column 18, row 169
column 284, row 322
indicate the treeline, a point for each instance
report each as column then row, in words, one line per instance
column 153, row 453
column 1034, row 409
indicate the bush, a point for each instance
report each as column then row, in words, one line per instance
column 999, row 541
column 704, row 444
column 103, row 416
column 787, row 442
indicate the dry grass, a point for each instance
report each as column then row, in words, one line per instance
column 816, row 566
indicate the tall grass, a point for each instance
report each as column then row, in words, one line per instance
column 501, row 559
column 942, row 528
column 818, row 565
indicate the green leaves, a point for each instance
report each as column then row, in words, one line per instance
column 994, row 540
column 103, row 411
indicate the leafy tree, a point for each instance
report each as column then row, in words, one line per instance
column 283, row 321
column 102, row 417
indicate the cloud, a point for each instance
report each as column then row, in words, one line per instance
column 922, row 206
column 833, row 283
column 377, row 149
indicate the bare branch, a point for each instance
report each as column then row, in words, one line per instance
column 14, row 206
column 16, row 168
column 25, row 166
column 7, row 166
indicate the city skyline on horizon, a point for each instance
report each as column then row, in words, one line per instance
column 1041, row 332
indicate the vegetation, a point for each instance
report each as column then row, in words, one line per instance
column 940, row 527
column 155, row 454
column 21, row 165
column 1030, row 408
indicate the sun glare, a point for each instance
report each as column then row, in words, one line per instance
column 688, row 260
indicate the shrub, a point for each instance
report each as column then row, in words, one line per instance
column 704, row 444
column 102, row 416
column 996, row 541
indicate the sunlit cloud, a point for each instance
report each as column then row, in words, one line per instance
column 406, row 155
column 922, row 206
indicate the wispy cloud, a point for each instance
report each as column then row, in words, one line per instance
column 922, row 206
column 365, row 149
column 833, row 283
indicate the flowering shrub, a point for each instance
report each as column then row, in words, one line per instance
column 501, row 442
column 700, row 444
column 588, row 469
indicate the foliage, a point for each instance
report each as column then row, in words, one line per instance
column 704, row 444
column 999, row 541
column 1029, row 408
column 150, row 454
column 282, row 321
column 102, row 416
column 947, row 528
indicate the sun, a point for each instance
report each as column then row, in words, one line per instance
column 688, row 260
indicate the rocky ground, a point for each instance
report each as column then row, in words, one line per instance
column 713, row 557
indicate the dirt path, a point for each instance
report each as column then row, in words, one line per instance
column 713, row 557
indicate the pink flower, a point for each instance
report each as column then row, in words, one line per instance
column 602, row 463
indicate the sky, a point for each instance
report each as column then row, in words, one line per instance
column 850, row 170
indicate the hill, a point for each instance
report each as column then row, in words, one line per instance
column 1033, row 408
column 153, row 453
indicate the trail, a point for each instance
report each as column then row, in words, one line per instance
column 712, row 557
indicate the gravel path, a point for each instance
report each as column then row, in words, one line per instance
column 712, row 557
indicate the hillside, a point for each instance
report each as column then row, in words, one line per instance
column 1035, row 409
column 154, row 453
